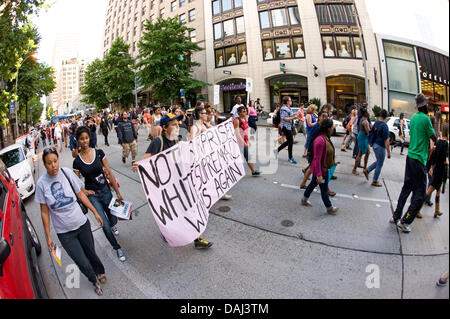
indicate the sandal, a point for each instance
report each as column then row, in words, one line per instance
column 354, row 172
column 302, row 186
column 331, row 193
column 102, row 279
column 98, row 289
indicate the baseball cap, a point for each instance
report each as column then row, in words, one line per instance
column 169, row 117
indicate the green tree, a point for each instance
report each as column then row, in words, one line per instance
column 18, row 38
column 118, row 75
column 49, row 113
column 165, row 64
column 36, row 108
column 94, row 88
column 35, row 80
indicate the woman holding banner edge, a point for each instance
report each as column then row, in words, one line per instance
column 169, row 138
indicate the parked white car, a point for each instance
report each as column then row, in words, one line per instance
column 393, row 124
column 19, row 162
column 338, row 127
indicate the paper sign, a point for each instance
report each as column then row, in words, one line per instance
column 56, row 252
column 120, row 209
column 182, row 183
column 216, row 94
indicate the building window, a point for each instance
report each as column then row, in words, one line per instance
column 231, row 55
column 335, row 14
column 193, row 36
column 342, row 47
column 183, row 18
column 192, row 15
column 240, row 25
column 284, row 48
column 173, row 6
column 279, row 18
column 229, row 28
column 219, row 6
column 182, row 3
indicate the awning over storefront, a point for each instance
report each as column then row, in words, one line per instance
column 433, row 66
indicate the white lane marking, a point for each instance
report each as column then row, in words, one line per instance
column 378, row 200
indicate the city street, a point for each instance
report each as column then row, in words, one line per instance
column 266, row 245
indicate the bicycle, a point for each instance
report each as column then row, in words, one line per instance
column 263, row 115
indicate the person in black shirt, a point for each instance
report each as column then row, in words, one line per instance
column 437, row 165
column 105, row 129
column 169, row 138
column 90, row 163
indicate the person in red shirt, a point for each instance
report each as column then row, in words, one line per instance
column 241, row 128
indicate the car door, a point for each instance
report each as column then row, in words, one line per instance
column 16, row 272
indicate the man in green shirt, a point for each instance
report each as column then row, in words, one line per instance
column 415, row 181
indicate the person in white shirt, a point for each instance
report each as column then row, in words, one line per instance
column 58, row 136
column 234, row 111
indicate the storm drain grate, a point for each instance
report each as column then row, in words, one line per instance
column 287, row 223
column 224, row 209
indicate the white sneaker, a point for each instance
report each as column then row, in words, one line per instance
column 226, row 197
column 404, row 227
column 120, row 255
column 393, row 221
column 115, row 230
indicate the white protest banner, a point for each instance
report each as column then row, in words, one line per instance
column 182, row 183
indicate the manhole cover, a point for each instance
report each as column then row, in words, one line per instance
column 224, row 209
column 287, row 223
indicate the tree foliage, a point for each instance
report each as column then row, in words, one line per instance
column 165, row 63
column 94, row 89
column 18, row 38
column 118, row 75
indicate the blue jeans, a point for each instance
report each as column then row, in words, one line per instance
column 101, row 201
column 323, row 191
column 380, row 155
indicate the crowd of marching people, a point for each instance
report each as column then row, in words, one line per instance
column 64, row 199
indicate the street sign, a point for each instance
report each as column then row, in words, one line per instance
column 249, row 85
column 216, row 94
column 12, row 107
column 181, row 93
column 227, row 72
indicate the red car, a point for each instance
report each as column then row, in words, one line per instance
column 20, row 277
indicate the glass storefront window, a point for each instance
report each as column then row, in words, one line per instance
column 230, row 54
column 298, row 47
column 294, row 16
column 240, row 26
column 344, row 47
column 242, row 53
column 283, row 49
column 279, row 18
column 264, row 19
column 402, row 103
column 439, row 91
column 228, row 28
column 402, row 75
column 217, row 31
column 219, row 58
column 268, row 50
column 399, row 51
column 328, row 47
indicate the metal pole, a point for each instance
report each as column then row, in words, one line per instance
column 363, row 49
column 135, row 89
